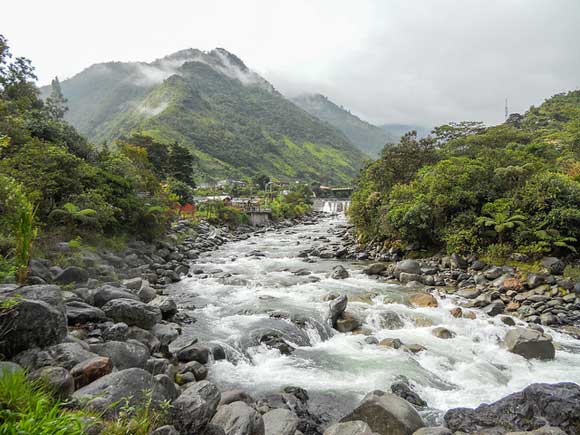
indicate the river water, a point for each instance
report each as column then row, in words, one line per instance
column 237, row 291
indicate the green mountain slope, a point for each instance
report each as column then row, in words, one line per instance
column 367, row 137
column 233, row 120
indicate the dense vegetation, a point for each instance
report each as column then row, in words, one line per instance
column 233, row 121
column 467, row 188
column 367, row 137
column 51, row 176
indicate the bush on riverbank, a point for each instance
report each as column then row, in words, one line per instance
column 467, row 188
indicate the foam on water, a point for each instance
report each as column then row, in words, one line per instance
column 467, row 370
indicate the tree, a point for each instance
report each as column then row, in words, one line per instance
column 56, row 102
column 261, row 180
column 181, row 164
column 454, row 130
column 501, row 222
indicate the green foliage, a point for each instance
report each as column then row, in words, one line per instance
column 217, row 212
column 296, row 203
column 513, row 187
column 138, row 420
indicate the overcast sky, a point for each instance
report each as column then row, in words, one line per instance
column 406, row 61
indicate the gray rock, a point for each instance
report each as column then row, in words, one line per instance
column 350, row 428
column 375, row 268
column 404, row 391
column 433, row 431
column 280, row 422
column 39, row 269
column 9, row 367
column 116, row 332
column 132, row 387
column 390, row 320
column 458, row 262
column 386, row 414
column 347, row 322
column 469, row 293
column 493, row 273
column 72, row 275
column 194, row 352
column 80, row 312
column 107, row 293
column 535, row 280
column 68, row 355
column 231, row 396
column 195, row 407
column 336, row 308
column 165, row 333
column 238, row 418
column 132, row 312
column 167, row 306
column 554, row 265
column 124, row 355
column 144, row 337
column 133, row 283
column 495, row 308
column 165, row 430
column 31, row 323
column 58, row 380
column 441, row 332
column 408, row 266
column 529, row 343
column 535, row 407
column 339, row 272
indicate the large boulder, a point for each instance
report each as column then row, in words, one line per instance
column 133, row 387
column 30, row 323
column 534, row 407
column 195, row 407
column 72, row 275
column 280, row 422
column 350, row 428
column 386, row 414
column 78, row 312
column 90, row 370
column 390, row 320
column 107, row 293
column 339, row 272
column 68, row 355
column 530, row 344
column 238, row 418
column 132, row 312
column 336, row 308
column 375, row 268
column 124, row 355
column 554, row 265
column 347, row 322
column 423, row 300
column 408, row 266
column 166, row 304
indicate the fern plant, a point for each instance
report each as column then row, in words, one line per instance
column 501, row 223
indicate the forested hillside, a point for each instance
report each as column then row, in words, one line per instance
column 367, row 137
column 466, row 188
column 233, row 120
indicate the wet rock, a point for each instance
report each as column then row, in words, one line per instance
column 195, row 407
column 165, row 333
column 546, row 430
column 554, row 265
column 375, row 269
column 347, row 322
column 404, row 391
column 72, row 275
column 108, row 293
column 238, row 418
column 386, row 414
column 193, row 352
column 410, row 278
column 68, row 355
column 144, row 337
column 393, row 343
column 535, row 280
column 408, row 266
column 132, row 312
column 58, row 380
column 124, row 355
column 275, row 341
column 235, row 396
column 339, row 272
column 390, row 320
column 433, row 431
column 108, row 394
column 336, row 308
column 280, row 422
column 90, row 370
column 167, row 306
column 198, row 370
column 507, row 320
column 456, row 312
column 468, row 293
column 530, row 344
column 493, row 273
column 350, row 428
column 495, row 308
column 80, row 312
column 478, row 265
column 423, row 300
column 536, row 406
column 444, row 333
column 116, row 332
column 457, row 262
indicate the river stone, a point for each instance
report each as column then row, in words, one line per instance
column 423, row 300
column 529, row 343
column 72, row 275
column 108, row 293
column 9, row 367
column 457, row 262
column 58, row 380
column 280, row 422
column 238, row 418
column 441, row 332
column 336, row 308
column 493, row 273
column 132, row 312
column 90, row 370
column 30, row 323
column 390, row 320
column 339, row 272
column 386, row 414
column 468, row 293
column 546, row 430
column 231, row 396
column 165, row 333
column 532, row 408
column 165, row 430
column 495, row 308
column 433, row 431
column 124, row 355
column 402, row 389
column 375, row 269
column 350, row 428
column 195, row 407
column 144, row 337
column 108, row 394
column 554, row 265
column 80, row 312
column 347, row 322
column 408, row 266
column 167, row 306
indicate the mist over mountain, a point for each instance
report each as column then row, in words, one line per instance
column 398, row 130
column 367, row 137
column 231, row 118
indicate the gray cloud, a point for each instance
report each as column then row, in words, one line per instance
column 412, row 61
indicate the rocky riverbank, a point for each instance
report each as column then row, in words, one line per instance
column 112, row 329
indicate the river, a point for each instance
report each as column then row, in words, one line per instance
column 244, row 281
